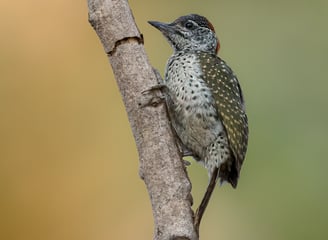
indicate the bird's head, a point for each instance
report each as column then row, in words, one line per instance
column 191, row 32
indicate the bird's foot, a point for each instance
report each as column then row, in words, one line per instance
column 153, row 96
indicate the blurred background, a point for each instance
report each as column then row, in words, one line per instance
column 68, row 161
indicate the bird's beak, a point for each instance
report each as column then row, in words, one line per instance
column 163, row 27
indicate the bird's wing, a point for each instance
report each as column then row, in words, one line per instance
column 229, row 102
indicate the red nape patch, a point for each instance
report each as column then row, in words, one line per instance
column 217, row 47
column 210, row 25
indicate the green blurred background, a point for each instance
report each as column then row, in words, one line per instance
column 68, row 162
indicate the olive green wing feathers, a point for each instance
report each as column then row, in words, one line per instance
column 229, row 102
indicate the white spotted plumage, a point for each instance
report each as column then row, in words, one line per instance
column 204, row 98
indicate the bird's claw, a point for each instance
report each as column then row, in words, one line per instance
column 186, row 163
column 152, row 96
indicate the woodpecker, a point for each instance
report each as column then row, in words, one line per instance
column 204, row 98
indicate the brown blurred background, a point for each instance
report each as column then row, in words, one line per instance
column 68, row 162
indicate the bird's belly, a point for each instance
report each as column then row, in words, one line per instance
column 195, row 119
column 191, row 105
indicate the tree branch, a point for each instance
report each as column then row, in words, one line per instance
column 160, row 164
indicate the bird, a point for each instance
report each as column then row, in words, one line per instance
column 204, row 98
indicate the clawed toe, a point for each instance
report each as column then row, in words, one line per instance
column 152, row 97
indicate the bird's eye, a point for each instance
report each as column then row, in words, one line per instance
column 189, row 25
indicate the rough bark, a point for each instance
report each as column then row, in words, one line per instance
column 161, row 167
